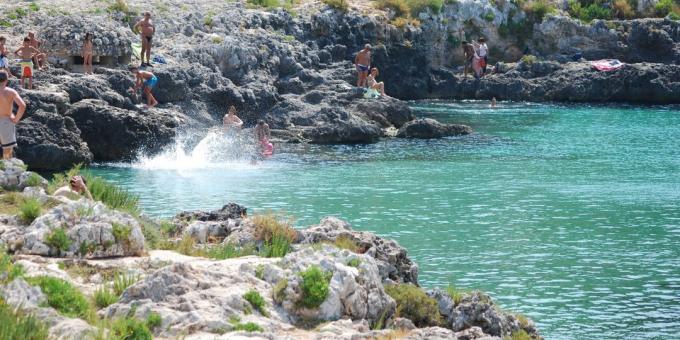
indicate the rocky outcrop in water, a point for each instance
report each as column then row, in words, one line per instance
column 426, row 128
column 574, row 82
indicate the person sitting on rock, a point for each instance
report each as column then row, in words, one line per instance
column 40, row 58
column 77, row 186
column 231, row 121
column 4, row 62
column 373, row 84
column 88, row 50
column 8, row 120
column 362, row 62
column 27, row 54
column 146, row 29
column 147, row 81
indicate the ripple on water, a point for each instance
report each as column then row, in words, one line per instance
column 568, row 214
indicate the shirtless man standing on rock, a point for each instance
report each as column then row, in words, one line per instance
column 147, row 30
column 362, row 62
column 8, row 120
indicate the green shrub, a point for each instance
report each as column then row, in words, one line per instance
column 151, row 232
column 111, row 195
column 130, row 329
column 8, row 270
column 33, row 180
column 400, row 7
column 153, row 320
column 265, row 3
column 489, row 16
column 29, row 209
column 518, row 335
column 277, row 247
column 34, row 7
column 346, row 242
column 456, row 294
column 62, row 296
column 279, row 290
column 414, row 304
column 58, row 239
column 18, row 325
column 270, row 225
column 208, row 19
column 536, row 10
column 121, row 282
column 227, row 251
column 257, row 301
column 341, row 5
column 20, row 12
column 622, row 9
column 120, row 232
column 529, row 59
column 523, row 320
column 119, row 6
column 418, row 6
column 672, row 16
column 259, row 271
column 248, row 327
column 314, row 287
column 356, row 262
column 104, row 297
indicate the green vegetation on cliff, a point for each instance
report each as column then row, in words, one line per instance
column 19, row 325
column 414, row 304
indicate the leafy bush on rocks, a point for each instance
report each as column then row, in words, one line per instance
column 248, row 327
column 341, row 5
column 18, row 325
column 257, row 301
column 62, row 296
column 8, row 270
column 120, row 232
column 154, row 320
column 104, row 297
column 130, row 328
column 414, row 304
column 34, row 180
column 58, row 239
column 29, row 209
column 314, row 287
column 518, row 335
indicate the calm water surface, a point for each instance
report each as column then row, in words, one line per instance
column 568, row 214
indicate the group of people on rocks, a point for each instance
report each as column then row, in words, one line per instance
column 30, row 56
column 476, row 57
column 367, row 75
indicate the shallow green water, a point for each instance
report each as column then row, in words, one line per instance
column 568, row 214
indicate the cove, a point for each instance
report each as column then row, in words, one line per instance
column 566, row 213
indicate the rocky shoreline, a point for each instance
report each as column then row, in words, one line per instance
column 369, row 285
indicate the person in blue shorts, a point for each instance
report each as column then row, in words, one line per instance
column 147, row 81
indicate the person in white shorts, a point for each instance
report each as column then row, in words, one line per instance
column 8, row 120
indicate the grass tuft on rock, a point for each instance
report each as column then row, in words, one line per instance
column 58, row 239
column 130, row 328
column 314, row 287
column 16, row 324
column 121, row 232
column 279, row 290
column 153, row 320
column 414, row 304
column 121, row 282
column 341, row 5
column 29, row 209
column 257, row 301
column 455, row 294
column 346, row 242
column 62, row 296
column 8, row 270
column 104, row 297
column 518, row 335
column 34, row 180
column 111, row 195
column 248, row 327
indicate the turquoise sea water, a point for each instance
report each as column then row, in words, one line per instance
column 568, row 214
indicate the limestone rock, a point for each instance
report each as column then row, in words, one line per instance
column 391, row 258
column 426, row 128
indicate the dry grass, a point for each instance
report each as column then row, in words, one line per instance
column 270, row 225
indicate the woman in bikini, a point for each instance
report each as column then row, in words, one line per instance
column 373, row 84
column 88, row 50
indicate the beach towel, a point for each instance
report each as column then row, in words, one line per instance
column 137, row 50
column 607, row 64
column 371, row 93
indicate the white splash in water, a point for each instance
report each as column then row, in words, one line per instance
column 217, row 150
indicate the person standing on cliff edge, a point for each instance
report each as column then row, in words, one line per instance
column 362, row 62
column 146, row 29
column 9, row 120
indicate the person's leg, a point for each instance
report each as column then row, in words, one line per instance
column 148, row 52
column 7, row 153
column 144, row 46
column 30, row 83
column 22, row 82
column 381, row 86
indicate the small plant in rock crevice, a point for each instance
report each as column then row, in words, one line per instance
column 29, row 209
column 314, row 287
column 58, row 239
column 62, row 296
column 257, row 301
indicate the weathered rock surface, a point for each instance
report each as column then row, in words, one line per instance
column 477, row 309
column 14, row 176
column 93, row 231
column 114, row 134
column 575, row 82
column 391, row 258
column 426, row 128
